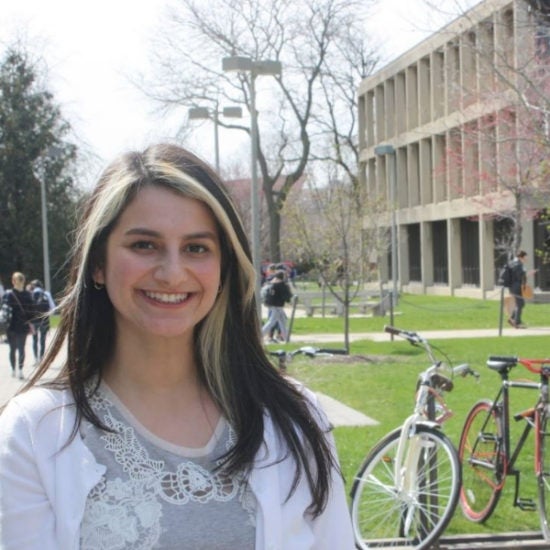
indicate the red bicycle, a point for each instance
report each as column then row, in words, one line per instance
column 486, row 452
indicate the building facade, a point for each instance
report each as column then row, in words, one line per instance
column 442, row 138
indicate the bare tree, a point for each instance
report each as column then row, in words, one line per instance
column 352, row 60
column 324, row 225
column 303, row 36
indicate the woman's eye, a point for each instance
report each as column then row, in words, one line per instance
column 197, row 248
column 143, row 245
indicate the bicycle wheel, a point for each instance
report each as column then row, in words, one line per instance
column 543, row 470
column 483, row 470
column 414, row 514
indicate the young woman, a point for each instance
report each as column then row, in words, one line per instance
column 167, row 426
column 21, row 304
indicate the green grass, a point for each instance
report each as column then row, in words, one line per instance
column 427, row 313
column 383, row 385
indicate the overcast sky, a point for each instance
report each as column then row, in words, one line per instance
column 90, row 46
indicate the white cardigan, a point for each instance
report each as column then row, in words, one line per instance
column 44, row 484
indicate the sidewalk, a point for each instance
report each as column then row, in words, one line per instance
column 8, row 384
column 428, row 334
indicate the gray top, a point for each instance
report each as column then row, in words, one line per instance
column 158, row 495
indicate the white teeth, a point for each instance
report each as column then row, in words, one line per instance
column 167, row 298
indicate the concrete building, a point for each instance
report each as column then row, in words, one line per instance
column 451, row 112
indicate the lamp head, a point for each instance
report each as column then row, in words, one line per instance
column 198, row 112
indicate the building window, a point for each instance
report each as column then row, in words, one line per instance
column 415, row 270
column 469, row 240
column 440, row 253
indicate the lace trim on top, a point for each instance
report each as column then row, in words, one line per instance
column 125, row 513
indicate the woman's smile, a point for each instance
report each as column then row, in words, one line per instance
column 166, row 297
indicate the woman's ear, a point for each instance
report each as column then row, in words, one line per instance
column 98, row 276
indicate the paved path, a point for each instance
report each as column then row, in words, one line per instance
column 8, row 384
column 428, row 334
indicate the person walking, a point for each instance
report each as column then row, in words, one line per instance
column 167, row 425
column 517, row 284
column 44, row 305
column 22, row 307
column 275, row 297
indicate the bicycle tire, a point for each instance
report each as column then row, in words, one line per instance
column 378, row 511
column 483, row 471
column 543, row 470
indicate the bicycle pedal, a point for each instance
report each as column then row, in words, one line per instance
column 526, row 504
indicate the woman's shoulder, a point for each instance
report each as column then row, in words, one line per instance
column 310, row 397
column 38, row 401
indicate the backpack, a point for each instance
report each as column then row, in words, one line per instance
column 6, row 313
column 41, row 302
column 266, row 294
column 506, row 276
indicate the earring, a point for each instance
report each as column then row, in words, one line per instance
column 98, row 286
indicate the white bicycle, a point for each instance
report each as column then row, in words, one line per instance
column 407, row 488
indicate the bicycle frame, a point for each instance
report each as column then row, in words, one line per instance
column 501, row 407
column 424, row 402
column 531, row 416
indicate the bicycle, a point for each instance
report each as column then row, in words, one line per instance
column 285, row 357
column 485, row 445
column 405, row 492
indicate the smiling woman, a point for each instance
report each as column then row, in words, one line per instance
column 162, row 266
column 167, row 413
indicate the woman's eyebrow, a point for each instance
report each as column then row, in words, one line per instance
column 142, row 231
column 152, row 233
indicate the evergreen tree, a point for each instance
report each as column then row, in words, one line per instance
column 33, row 149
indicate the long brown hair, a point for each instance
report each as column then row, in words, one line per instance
column 228, row 345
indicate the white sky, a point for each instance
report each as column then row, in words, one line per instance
column 90, row 46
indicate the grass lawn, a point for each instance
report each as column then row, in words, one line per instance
column 382, row 385
column 428, row 313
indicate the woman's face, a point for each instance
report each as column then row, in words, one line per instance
column 162, row 268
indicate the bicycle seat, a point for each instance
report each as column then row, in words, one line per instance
column 501, row 364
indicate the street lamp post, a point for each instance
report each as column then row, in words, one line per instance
column 203, row 112
column 45, row 238
column 389, row 151
column 255, row 68
column 52, row 152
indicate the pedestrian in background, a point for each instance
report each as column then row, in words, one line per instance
column 518, row 282
column 20, row 301
column 276, row 295
column 167, row 426
column 44, row 305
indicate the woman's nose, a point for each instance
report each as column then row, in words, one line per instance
column 172, row 269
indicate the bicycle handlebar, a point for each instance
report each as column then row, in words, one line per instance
column 413, row 337
column 464, row 370
column 310, row 351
